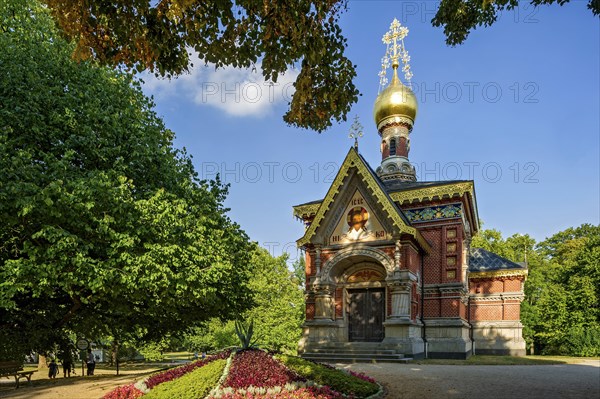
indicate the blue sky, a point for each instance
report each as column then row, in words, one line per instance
column 516, row 108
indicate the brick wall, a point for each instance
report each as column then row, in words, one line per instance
column 432, row 262
column 501, row 309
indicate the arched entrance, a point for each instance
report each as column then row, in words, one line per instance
column 364, row 285
column 358, row 276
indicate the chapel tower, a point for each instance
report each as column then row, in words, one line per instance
column 395, row 109
column 390, row 272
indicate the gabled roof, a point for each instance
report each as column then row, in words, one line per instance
column 409, row 192
column 375, row 187
column 399, row 185
column 484, row 263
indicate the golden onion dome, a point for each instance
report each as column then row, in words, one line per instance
column 395, row 100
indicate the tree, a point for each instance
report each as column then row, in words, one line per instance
column 160, row 36
column 561, row 309
column 277, row 315
column 574, row 255
column 459, row 17
column 106, row 229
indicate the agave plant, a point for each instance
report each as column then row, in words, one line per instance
column 245, row 334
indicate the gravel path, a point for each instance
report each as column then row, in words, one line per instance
column 418, row 381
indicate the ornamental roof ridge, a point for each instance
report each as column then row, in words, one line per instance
column 373, row 184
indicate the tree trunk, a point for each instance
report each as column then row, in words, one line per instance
column 42, row 363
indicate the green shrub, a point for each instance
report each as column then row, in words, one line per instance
column 582, row 341
column 196, row 384
column 335, row 379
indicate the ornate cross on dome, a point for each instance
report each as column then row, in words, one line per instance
column 394, row 41
column 356, row 131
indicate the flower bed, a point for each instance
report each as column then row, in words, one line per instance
column 252, row 374
column 331, row 377
column 178, row 372
column 258, row 369
column 124, row 392
column 302, row 393
column 194, row 385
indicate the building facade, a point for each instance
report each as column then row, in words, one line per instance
column 389, row 266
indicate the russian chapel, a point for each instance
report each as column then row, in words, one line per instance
column 389, row 265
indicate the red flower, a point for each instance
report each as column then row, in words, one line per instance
column 259, row 369
column 124, row 392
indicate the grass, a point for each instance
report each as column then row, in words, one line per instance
column 494, row 360
column 333, row 378
column 178, row 356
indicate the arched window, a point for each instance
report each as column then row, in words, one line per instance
column 392, row 147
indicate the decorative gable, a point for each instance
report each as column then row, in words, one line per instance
column 358, row 223
column 337, row 218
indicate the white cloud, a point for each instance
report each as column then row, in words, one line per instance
column 237, row 92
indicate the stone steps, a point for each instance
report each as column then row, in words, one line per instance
column 355, row 355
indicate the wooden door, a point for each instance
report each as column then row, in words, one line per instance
column 366, row 312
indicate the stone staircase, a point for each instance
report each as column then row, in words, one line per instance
column 356, row 352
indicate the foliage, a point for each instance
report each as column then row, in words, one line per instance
column 212, row 335
column 245, row 334
column 153, row 351
column 124, row 392
column 338, row 381
column 257, row 374
column 299, row 268
column 362, row 376
column 302, row 393
column 259, row 369
column 561, row 310
column 160, row 36
column 459, row 17
column 178, row 372
column 277, row 315
column 106, row 229
column 196, row 384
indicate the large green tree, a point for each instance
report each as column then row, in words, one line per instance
column 561, row 310
column 278, row 310
column 105, row 228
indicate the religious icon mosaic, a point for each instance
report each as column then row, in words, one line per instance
column 358, row 223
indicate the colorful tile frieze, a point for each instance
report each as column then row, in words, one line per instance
column 434, row 213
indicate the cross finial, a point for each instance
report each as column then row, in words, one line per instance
column 356, row 131
column 394, row 41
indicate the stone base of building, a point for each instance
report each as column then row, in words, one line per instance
column 499, row 338
column 405, row 337
column 447, row 339
column 400, row 336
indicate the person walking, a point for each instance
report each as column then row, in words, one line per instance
column 67, row 362
column 91, row 363
column 52, row 369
